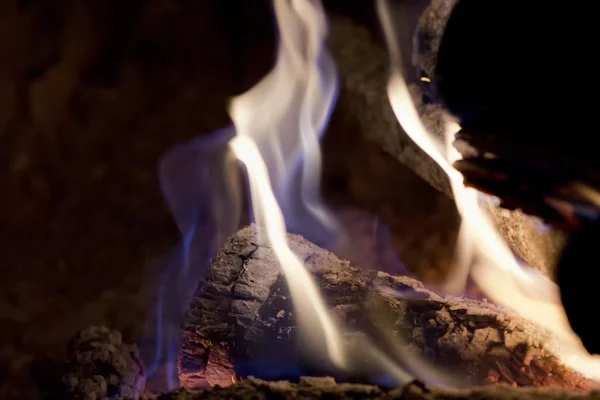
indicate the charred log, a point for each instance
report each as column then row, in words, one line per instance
column 481, row 74
column 241, row 323
column 319, row 388
column 526, row 176
column 100, row 365
column 363, row 67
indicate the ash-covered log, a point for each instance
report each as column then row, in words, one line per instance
column 101, row 366
column 319, row 388
column 242, row 322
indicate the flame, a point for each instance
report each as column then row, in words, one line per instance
column 268, row 215
column 286, row 112
column 482, row 252
column 278, row 124
column 200, row 183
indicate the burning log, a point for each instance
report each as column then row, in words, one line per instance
column 363, row 67
column 241, row 322
column 319, row 388
column 506, row 148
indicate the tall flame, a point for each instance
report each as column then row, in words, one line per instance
column 286, row 112
column 484, row 254
column 278, row 124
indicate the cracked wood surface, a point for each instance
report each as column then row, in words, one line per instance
column 241, row 323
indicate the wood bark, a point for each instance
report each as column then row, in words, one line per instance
column 363, row 66
column 318, row 388
column 242, row 322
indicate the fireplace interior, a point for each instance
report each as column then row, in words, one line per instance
column 142, row 251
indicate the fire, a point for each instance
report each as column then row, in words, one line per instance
column 482, row 252
column 308, row 301
column 278, row 124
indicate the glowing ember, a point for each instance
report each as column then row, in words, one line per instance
column 483, row 253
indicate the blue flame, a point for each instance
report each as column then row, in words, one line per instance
column 200, row 183
column 200, row 180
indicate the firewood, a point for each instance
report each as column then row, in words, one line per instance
column 514, row 158
column 319, row 388
column 242, row 322
column 363, row 66
column 100, row 365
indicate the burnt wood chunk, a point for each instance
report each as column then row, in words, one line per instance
column 242, row 323
column 320, row 388
column 101, row 366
